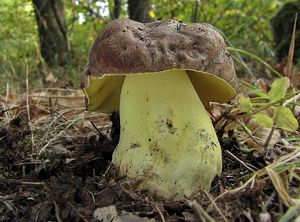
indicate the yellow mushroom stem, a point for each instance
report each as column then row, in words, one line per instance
column 167, row 145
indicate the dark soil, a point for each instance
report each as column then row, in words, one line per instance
column 74, row 178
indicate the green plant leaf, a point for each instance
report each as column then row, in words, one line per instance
column 264, row 120
column 245, row 105
column 285, row 119
column 279, row 88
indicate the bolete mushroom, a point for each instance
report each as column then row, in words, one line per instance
column 160, row 76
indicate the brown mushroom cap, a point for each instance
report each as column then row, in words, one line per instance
column 126, row 46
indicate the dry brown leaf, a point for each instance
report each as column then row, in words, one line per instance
column 279, row 187
column 291, row 52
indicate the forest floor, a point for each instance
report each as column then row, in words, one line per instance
column 55, row 166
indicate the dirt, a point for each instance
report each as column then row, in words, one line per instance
column 74, row 178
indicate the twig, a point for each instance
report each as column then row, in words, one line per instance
column 289, row 65
column 295, row 98
column 203, row 216
column 285, row 159
column 18, row 182
column 86, row 99
column 160, row 213
column 251, row 180
column 33, row 183
column 99, row 132
column 57, row 97
column 7, row 93
column 57, row 212
column 10, row 206
column 215, row 205
column 249, row 133
column 224, row 114
column 241, row 162
column 93, row 197
column 27, row 163
column 6, row 107
column 57, row 135
column 60, row 89
column 79, row 214
column 28, row 110
column 279, row 162
column 11, row 108
column 269, row 136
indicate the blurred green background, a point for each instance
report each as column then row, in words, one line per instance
column 245, row 24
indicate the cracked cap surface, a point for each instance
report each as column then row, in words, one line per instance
column 126, row 46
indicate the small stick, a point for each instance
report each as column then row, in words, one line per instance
column 293, row 99
column 99, row 132
column 241, row 162
column 93, row 197
column 5, row 105
column 269, row 136
column 57, row 135
column 57, row 212
column 251, row 180
column 26, row 163
column 203, row 216
column 28, row 110
column 17, row 182
column 79, row 214
column 33, row 183
column 215, row 205
column 224, row 114
column 249, row 133
column 160, row 213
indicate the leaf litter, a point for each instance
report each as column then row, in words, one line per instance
column 59, row 168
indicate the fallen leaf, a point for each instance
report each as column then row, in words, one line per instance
column 280, row 188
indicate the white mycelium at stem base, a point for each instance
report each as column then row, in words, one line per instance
column 167, row 142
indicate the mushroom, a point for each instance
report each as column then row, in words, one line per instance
column 161, row 76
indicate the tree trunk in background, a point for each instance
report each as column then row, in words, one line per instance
column 117, row 8
column 50, row 17
column 282, row 24
column 138, row 10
